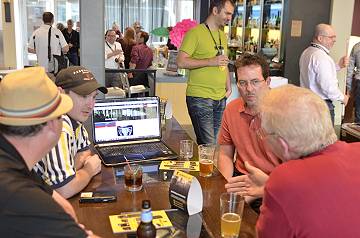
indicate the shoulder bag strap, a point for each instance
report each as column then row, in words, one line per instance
column 49, row 44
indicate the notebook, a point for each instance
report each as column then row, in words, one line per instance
column 128, row 128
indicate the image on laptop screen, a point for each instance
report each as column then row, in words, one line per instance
column 126, row 119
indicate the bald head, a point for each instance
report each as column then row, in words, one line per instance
column 324, row 35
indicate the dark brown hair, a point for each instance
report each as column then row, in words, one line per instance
column 253, row 59
column 47, row 17
column 144, row 35
column 219, row 4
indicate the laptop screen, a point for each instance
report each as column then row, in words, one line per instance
column 116, row 120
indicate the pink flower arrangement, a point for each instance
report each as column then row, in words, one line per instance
column 178, row 31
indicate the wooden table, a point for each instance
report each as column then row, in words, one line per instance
column 96, row 216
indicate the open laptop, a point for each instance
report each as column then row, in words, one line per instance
column 128, row 129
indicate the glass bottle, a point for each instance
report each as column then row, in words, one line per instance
column 146, row 228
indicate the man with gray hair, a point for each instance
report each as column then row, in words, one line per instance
column 312, row 193
column 318, row 69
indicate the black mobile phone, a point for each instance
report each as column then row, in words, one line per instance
column 94, row 197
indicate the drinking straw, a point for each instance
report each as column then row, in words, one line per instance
column 128, row 163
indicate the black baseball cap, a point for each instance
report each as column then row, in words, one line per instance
column 79, row 80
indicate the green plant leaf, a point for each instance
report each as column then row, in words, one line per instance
column 160, row 31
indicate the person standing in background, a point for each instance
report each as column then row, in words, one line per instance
column 141, row 58
column 73, row 40
column 39, row 43
column 114, row 58
column 318, row 69
column 204, row 52
column 353, row 77
column 127, row 43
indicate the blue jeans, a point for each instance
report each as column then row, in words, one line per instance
column 73, row 58
column 205, row 115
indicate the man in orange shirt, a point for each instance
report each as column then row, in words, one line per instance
column 240, row 128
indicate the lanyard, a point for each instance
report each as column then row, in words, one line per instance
column 319, row 47
column 110, row 46
column 219, row 47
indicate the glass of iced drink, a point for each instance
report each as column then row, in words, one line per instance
column 133, row 177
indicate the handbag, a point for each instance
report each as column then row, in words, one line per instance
column 59, row 61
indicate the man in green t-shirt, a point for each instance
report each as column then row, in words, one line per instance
column 204, row 52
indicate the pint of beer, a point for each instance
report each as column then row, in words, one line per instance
column 206, row 159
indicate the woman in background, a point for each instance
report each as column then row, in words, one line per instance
column 127, row 43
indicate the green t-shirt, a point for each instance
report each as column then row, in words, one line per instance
column 205, row 82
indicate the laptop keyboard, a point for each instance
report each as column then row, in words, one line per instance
column 135, row 149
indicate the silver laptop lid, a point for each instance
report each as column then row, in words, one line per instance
column 127, row 119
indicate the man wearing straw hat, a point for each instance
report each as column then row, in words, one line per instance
column 70, row 165
column 30, row 124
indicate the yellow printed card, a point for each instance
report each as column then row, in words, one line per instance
column 129, row 221
column 180, row 165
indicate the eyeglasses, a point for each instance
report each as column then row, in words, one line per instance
column 254, row 83
column 331, row 37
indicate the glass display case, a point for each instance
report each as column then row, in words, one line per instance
column 256, row 27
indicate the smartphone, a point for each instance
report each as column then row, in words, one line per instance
column 95, row 197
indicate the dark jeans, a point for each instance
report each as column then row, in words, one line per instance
column 331, row 109
column 73, row 58
column 205, row 115
column 357, row 100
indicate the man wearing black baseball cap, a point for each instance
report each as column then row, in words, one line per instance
column 69, row 167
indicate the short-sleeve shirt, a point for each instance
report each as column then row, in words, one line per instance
column 210, row 81
column 58, row 167
column 240, row 129
column 26, row 206
column 39, row 42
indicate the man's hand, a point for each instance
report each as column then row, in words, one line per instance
column 70, row 45
column 343, row 62
column 220, row 60
column 93, row 164
column 251, row 184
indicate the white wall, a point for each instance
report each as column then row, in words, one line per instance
column 341, row 20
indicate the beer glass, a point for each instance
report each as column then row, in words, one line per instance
column 206, row 159
column 133, row 177
column 231, row 211
column 186, row 149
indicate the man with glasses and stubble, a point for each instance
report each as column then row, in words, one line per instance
column 239, row 133
column 318, row 69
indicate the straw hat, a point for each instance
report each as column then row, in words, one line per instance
column 79, row 80
column 29, row 97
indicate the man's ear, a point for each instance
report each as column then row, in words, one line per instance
column 285, row 149
column 268, row 81
column 215, row 11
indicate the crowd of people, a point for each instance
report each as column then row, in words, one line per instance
column 277, row 147
column 122, row 51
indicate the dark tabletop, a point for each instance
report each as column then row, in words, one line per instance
column 96, row 216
